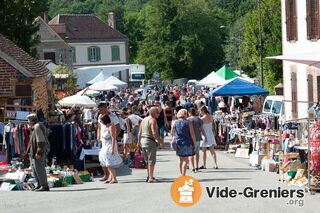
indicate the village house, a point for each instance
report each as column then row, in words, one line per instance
column 93, row 42
column 24, row 82
column 300, row 43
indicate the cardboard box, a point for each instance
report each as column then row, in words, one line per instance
column 242, row 153
column 255, row 159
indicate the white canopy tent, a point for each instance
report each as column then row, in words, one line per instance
column 103, row 86
column 86, row 74
column 116, row 82
column 212, row 80
column 87, row 91
column 111, row 83
column 77, row 100
column 244, row 76
column 100, row 77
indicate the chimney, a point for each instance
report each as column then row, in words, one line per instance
column 45, row 17
column 111, row 20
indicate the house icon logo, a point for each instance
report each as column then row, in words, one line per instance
column 186, row 191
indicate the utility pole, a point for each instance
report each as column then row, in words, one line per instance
column 260, row 44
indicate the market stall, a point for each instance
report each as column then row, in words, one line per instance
column 243, row 132
column 108, row 84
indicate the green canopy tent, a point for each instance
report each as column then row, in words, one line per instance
column 226, row 73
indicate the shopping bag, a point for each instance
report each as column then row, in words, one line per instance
column 173, row 144
column 139, row 162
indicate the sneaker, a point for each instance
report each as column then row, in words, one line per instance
column 34, row 189
column 152, row 180
column 43, row 189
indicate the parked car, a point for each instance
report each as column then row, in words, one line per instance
column 191, row 82
column 273, row 104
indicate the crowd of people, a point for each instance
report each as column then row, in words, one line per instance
column 141, row 120
column 176, row 112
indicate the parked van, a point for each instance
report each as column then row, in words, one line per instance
column 273, row 104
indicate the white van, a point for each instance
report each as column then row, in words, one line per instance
column 273, row 104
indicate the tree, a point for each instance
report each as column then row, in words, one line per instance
column 181, row 38
column 17, row 22
column 233, row 44
column 271, row 37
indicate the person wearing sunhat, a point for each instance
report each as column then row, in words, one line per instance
column 37, row 152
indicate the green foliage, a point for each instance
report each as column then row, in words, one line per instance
column 61, row 69
column 71, row 81
column 181, row 39
column 190, row 38
column 71, row 84
column 17, row 21
column 271, row 37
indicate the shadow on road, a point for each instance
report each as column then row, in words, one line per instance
column 78, row 190
column 170, row 180
column 123, row 171
column 223, row 171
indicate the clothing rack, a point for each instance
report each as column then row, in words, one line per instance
column 18, row 121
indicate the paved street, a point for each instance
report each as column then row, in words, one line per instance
column 132, row 194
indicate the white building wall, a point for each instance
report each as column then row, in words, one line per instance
column 105, row 52
column 302, row 45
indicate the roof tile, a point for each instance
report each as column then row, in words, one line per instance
column 22, row 58
column 84, row 27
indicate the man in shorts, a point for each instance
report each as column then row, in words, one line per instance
column 148, row 139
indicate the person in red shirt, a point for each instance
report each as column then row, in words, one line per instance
column 177, row 94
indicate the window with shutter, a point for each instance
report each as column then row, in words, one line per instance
column 94, row 54
column 73, row 54
column 291, row 20
column 294, row 95
column 115, row 53
column 310, row 90
column 89, row 54
column 312, row 19
column 318, row 88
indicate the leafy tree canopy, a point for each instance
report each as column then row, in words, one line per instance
column 17, row 21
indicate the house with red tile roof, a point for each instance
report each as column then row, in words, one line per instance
column 51, row 46
column 93, row 41
column 24, row 82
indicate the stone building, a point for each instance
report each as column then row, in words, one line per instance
column 24, row 82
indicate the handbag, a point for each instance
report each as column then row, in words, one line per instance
column 139, row 161
column 173, row 144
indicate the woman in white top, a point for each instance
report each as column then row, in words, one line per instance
column 109, row 156
column 211, row 142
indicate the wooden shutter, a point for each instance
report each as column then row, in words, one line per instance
column 287, row 7
column 316, row 12
column 115, row 53
column 294, row 94
column 310, row 90
column 313, row 19
column 318, row 88
column 98, row 55
column 73, row 54
column 308, row 19
column 89, row 53
column 294, row 26
column 291, row 20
